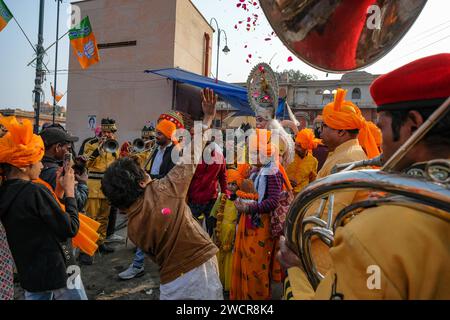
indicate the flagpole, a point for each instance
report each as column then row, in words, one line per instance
column 39, row 71
column 56, row 62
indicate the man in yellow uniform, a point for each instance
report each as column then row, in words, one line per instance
column 393, row 251
column 148, row 134
column 346, row 134
column 98, row 160
column 303, row 170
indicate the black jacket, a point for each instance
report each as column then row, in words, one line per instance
column 35, row 225
column 48, row 174
column 166, row 165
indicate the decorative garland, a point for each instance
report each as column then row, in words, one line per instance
column 247, row 196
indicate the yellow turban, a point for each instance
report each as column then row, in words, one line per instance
column 344, row 115
column 166, row 127
column 234, row 176
column 20, row 147
column 307, row 140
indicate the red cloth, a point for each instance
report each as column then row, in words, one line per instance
column 204, row 184
column 336, row 46
column 424, row 79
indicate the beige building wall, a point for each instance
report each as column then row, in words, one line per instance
column 117, row 87
column 190, row 45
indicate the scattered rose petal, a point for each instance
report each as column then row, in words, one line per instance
column 166, row 211
column 290, row 59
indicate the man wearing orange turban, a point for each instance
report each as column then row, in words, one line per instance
column 166, row 128
column 342, row 124
column 345, row 117
column 303, row 170
column 33, row 219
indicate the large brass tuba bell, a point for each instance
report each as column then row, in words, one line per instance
column 341, row 35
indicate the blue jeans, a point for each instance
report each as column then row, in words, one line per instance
column 138, row 261
column 58, row 294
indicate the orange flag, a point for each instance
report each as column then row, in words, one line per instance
column 84, row 44
column 58, row 97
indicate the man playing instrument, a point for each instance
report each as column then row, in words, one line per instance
column 98, row 160
column 393, row 251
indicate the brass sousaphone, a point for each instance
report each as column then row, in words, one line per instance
column 341, row 36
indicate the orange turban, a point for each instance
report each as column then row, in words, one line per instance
column 166, row 127
column 234, row 176
column 344, row 115
column 376, row 133
column 20, row 147
column 307, row 140
column 261, row 143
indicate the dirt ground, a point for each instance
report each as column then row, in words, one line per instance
column 102, row 283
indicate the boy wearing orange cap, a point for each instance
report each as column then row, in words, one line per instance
column 303, row 170
column 396, row 251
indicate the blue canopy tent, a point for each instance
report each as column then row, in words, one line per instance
column 233, row 94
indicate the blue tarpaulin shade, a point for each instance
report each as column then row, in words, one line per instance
column 233, row 94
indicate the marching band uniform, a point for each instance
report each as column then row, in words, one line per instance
column 98, row 161
column 407, row 246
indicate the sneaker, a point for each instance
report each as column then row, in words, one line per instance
column 104, row 248
column 114, row 238
column 131, row 272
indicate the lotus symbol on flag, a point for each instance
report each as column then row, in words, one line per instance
column 89, row 50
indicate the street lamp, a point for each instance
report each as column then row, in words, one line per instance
column 225, row 49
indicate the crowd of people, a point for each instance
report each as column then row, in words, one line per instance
column 219, row 228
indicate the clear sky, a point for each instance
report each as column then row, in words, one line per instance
column 429, row 35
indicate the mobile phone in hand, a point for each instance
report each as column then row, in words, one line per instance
column 67, row 162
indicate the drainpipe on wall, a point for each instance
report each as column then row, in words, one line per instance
column 207, row 47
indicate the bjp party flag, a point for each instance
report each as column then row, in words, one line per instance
column 84, row 44
column 5, row 15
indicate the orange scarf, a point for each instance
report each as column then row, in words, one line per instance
column 87, row 235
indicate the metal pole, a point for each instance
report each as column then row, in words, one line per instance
column 218, row 55
column 56, row 62
column 39, row 72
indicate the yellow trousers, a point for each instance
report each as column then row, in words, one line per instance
column 99, row 210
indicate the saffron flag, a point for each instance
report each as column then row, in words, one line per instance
column 84, row 44
column 58, row 96
column 5, row 15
